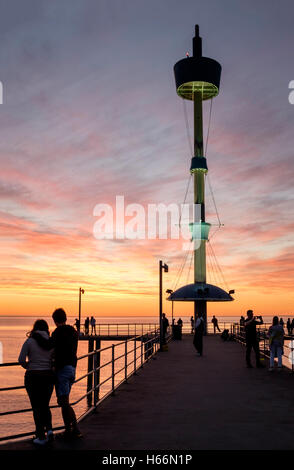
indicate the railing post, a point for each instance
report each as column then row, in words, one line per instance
column 141, row 351
column 135, row 357
column 90, row 369
column 126, row 361
column 97, row 371
column 112, row 369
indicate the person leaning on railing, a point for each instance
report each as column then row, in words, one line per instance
column 39, row 380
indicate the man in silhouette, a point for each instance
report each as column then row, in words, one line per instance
column 198, row 336
column 165, row 324
column 251, row 338
column 214, row 321
column 93, row 325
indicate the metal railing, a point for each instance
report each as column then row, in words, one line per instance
column 187, row 328
column 144, row 348
column 238, row 332
column 119, row 329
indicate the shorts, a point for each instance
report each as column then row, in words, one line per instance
column 65, row 377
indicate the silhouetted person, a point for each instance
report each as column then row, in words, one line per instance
column 225, row 336
column 93, row 325
column 292, row 326
column 180, row 323
column 251, row 338
column 64, row 339
column 192, row 324
column 242, row 327
column 165, row 324
column 276, row 342
column 282, row 322
column 86, row 325
column 214, row 321
column 198, row 336
column 289, row 326
column 77, row 324
column 39, row 380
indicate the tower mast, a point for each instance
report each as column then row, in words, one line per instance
column 199, row 187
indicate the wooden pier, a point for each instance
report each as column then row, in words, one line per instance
column 181, row 401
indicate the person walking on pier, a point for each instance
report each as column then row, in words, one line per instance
column 214, row 321
column 251, row 338
column 39, row 380
column 64, row 340
column 198, row 336
column 276, row 342
column 93, row 325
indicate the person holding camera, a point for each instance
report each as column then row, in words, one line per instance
column 251, row 338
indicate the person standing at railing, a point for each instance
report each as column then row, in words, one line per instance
column 292, row 326
column 64, row 340
column 86, row 326
column 93, row 325
column 180, row 323
column 214, row 321
column 251, row 338
column 289, row 326
column 242, row 325
column 192, row 324
column 276, row 342
column 77, row 324
column 39, row 380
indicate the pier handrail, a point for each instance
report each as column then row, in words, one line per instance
column 117, row 329
column 147, row 344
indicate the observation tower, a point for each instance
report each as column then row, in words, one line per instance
column 198, row 79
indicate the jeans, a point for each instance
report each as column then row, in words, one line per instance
column 276, row 351
column 39, row 386
column 65, row 377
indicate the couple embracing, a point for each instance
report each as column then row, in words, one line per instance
column 50, row 361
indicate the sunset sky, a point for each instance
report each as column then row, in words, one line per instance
column 91, row 112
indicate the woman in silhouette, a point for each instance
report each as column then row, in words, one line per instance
column 39, row 381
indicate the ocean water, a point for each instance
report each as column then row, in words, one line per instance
column 13, row 332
